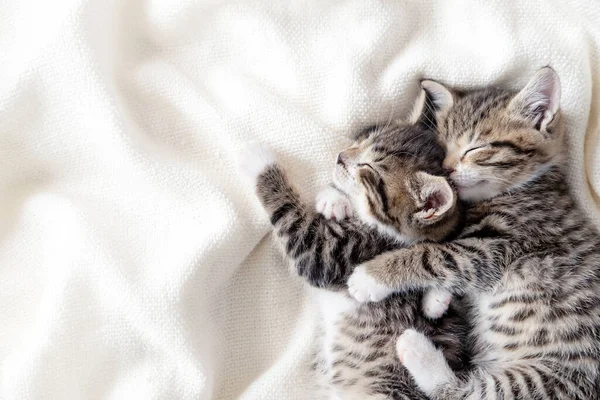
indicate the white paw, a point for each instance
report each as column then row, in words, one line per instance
column 426, row 364
column 333, row 204
column 436, row 302
column 364, row 287
column 254, row 158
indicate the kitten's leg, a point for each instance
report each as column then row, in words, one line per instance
column 363, row 287
column 435, row 303
column 320, row 250
column 455, row 266
column 424, row 361
column 530, row 379
column 300, row 233
column 333, row 204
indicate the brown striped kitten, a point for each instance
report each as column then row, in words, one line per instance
column 392, row 176
column 528, row 259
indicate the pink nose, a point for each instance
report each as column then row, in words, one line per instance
column 447, row 169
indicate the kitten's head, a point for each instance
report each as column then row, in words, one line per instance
column 393, row 176
column 496, row 140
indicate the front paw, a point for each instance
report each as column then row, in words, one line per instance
column 254, row 159
column 424, row 361
column 436, row 302
column 333, row 204
column 363, row 287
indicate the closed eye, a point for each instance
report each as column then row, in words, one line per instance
column 473, row 149
column 511, row 146
column 371, row 168
column 365, row 165
column 380, row 159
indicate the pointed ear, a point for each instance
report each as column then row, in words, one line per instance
column 435, row 195
column 539, row 100
column 434, row 100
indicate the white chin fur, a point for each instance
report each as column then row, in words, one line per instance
column 255, row 158
column 475, row 193
column 342, row 179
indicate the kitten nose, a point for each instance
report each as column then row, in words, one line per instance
column 340, row 160
column 448, row 169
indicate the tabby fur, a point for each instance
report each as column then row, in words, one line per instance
column 528, row 259
column 383, row 174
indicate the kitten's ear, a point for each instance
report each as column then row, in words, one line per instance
column 435, row 195
column 434, row 100
column 539, row 100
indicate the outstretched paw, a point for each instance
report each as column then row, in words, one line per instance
column 333, row 204
column 423, row 360
column 254, row 158
column 436, row 302
column 364, row 288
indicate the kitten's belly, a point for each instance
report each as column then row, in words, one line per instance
column 333, row 306
column 356, row 357
column 502, row 327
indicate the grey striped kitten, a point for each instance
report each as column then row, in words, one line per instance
column 528, row 259
column 392, row 175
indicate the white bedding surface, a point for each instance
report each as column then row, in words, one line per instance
column 135, row 263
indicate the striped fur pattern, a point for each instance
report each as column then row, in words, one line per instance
column 386, row 174
column 527, row 260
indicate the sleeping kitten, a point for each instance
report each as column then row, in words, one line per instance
column 391, row 175
column 332, row 203
column 528, row 259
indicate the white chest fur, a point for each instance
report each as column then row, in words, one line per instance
column 332, row 307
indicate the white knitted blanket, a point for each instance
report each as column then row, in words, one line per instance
column 135, row 263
